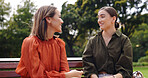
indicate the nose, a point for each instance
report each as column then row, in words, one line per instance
column 62, row 21
column 99, row 21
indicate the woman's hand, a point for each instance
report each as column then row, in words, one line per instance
column 74, row 73
column 108, row 77
column 118, row 75
column 93, row 76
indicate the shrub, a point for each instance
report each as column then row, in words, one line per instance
column 140, row 64
column 143, row 59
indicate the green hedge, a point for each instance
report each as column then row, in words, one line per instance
column 140, row 64
column 143, row 59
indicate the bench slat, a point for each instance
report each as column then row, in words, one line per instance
column 10, row 65
column 7, row 68
column 13, row 65
column 8, row 74
column 75, row 64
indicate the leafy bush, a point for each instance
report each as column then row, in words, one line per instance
column 143, row 59
column 140, row 64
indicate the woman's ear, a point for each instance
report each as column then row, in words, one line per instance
column 114, row 19
column 48, row 19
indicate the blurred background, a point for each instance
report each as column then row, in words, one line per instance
column 80, row 23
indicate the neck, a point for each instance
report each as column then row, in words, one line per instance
column 49, row 36
column 50, row 33
column 109, row 32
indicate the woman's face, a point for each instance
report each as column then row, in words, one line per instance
column 56, row 21
column 105, row 21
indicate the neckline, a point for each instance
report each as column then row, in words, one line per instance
column 46, row 41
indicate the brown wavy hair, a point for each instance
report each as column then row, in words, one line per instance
column 39, row 28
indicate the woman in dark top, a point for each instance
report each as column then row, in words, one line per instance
column 109, row 53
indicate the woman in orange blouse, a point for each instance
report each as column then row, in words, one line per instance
column 42, row 54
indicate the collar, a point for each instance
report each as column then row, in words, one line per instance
column 117, row 33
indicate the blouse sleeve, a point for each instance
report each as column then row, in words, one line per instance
column 124, row 63
column 64, row 63
column 88, row 62
column 32, row 64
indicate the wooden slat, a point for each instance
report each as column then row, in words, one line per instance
column 75, row 64
column 13, row 65
column 8, row 74
column 18, row 59
column 10, row 65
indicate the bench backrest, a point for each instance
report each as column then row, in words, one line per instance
column 8, row 66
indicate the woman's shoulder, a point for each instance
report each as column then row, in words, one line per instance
column 124, row 37
column 60, row 41
column 31, row 39
column 96, row 37
column 93, row 38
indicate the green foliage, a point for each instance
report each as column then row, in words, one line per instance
column 129, row 20
column 72, row 30
column 19, row 27
column 146, row 53
column 4, row 12
column 143, row 59
column 78, row 50
column 140, row 42
column 135, row 64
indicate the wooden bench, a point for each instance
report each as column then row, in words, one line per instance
column 8, row 65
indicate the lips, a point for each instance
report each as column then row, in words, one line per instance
column 101, row 23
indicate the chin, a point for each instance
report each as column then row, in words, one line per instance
column 102, row 28
column 59, row 31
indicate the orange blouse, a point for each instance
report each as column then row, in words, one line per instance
column 43, row 59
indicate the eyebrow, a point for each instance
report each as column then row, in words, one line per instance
column 101, row 14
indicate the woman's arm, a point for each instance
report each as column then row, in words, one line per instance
column 31, row 60
column 88, row 61
column 124, row 63
column 64, row 67
column 64, row 63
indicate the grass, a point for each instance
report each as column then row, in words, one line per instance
column 144, row 70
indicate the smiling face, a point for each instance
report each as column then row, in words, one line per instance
column 105, row 21
column 56, row 22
